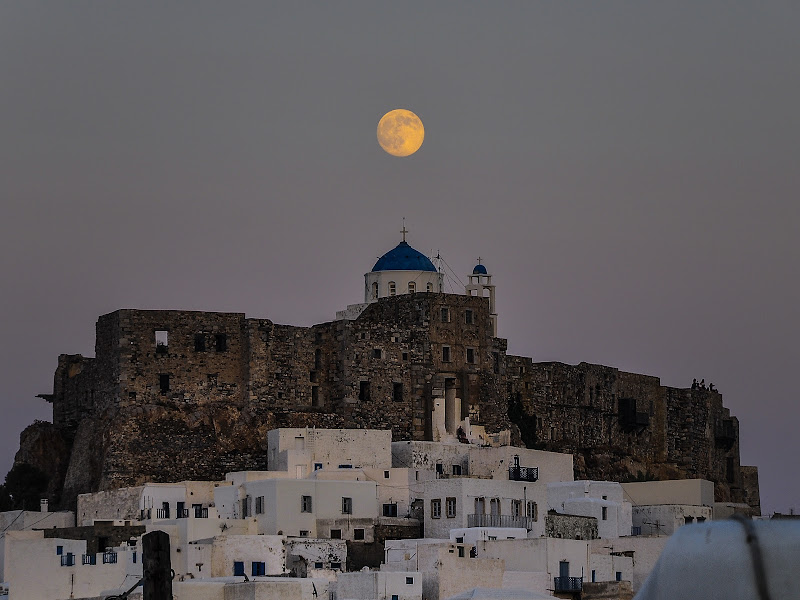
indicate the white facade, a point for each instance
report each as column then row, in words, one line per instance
column 37, row 568
column 303, row 507
column 599, row 499
column 699, row 492
column 466, row 502
column 379, row 585
column 495, row 463
column 665, row 519
column 301, row 451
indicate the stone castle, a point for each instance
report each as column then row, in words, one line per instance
column 177, row 395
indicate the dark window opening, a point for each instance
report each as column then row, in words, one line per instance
column 471, row 356
column 163, row 382
column 445, row 315
column 468, row 317
column 336, row 565
column 377, row 353
column 390, row 510
column 405, row 355
column 317, row 358
column 347, row 506
column 238, row 568
column 315, row 396
column 221, row 340
column 259, row 568
column 336, row 534
column 409, row 580
column 358, row 534
column 456, row 469
column 199, row 342
column 445, row 353
column 313, row 376
column 363, row 391
column 397, row 392
column 496, row 362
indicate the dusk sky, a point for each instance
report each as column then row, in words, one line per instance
column 628, row 172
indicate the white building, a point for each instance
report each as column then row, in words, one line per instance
column 303, row 507
column 660, row 507
column 466, row 502
column 37, row 567
column 602, row 500
column 301, row 451
column 378, row 585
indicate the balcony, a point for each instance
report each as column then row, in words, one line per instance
column 517, row 473
column 89, row 559
column 567, row 584
column 162, row 513
column 183, row 513
column 109, row 558
column 68, row 560
column 499, row 521
column 636, row 530
column 146, row 513
column 200, row 513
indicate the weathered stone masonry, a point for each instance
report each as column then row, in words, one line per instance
column 175, row 395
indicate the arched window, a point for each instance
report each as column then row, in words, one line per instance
column 374, row 290
column 392, row 288
column 412, row 287
column 429, row 287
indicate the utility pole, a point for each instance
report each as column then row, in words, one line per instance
column 157, row 567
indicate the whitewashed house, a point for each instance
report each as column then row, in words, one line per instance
column 602, row 500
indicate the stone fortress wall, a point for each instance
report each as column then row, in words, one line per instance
column 177, row 395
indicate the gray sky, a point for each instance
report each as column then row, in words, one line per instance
column 628, row 171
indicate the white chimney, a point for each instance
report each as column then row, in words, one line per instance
column 43, row 504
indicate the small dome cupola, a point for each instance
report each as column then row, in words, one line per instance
column 480, row 270
column 480, row 285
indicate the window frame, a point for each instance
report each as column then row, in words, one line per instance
column 347, row 505
column 451, row 507
column 306, row 504
column 436, row 508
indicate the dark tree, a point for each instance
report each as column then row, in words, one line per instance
column 25, row 486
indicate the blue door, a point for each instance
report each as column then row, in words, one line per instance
column 563, row 569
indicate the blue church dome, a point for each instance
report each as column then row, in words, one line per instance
column 479, row 270
column 403, row 258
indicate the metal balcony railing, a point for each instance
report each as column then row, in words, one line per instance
column 567, row 584
column 499, row 521
column 89, row 559
column 517, row 473
column 200, row 513
column 68, row 560
column 183, row 513
column 162, row 513
column 109, row 558
column 636, row 530
column 146, row 513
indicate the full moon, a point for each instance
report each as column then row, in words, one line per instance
column 400, row 132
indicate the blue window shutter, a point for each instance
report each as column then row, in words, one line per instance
column 59, row 550
column 238, row 568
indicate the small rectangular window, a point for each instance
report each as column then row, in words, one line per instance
column 59, row 550
column 409, row 580
column 605, row 513
column 305, row 504
column 358, row 534
column 377, row 353
column 163, row 382
column 496, row 362
column 594, row 576
column 405, row 355
column 386, row 474
column 221, row 340
column 315, row 395
column 318, row 565
column 336, row 534
column 199, row 342
column 445, row 353
column 456, row 469
column 347, row 506
column 258, row 568
column 471, row 356
column 619, row 576
column 451, row 508
column 317, row 466
column 445, row 314
column 532, row 511
column 363, row 391
column 238, row 568
column 162, row 341
column 390, row 510
column 304, row 533
column 461, row 552
column 260, row 505
column 395, row 597
column 468, row 317
column 336, row 565
column 436, row 509
column 397, row 392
